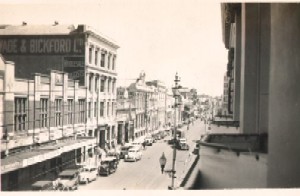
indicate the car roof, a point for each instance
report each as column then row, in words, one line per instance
column 89, row 167
column 41, row 183
column 134, row 148
column 68, row 172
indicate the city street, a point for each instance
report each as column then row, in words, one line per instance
column 146, row 173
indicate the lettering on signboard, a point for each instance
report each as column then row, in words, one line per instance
column 48, row 45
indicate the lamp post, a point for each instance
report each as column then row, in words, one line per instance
column 162, row 162
column 176, row 96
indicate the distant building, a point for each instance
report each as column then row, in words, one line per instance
column 126, row 115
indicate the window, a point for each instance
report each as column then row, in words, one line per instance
column 113, row 87
column 96, row 83
column 108, row 85
column 108, row 61
column 108, row 104
column 102, row 85
column 44, row 113
column 70, row 112
column 89, row 109
column 90, row 55
column 101, row 109
column 58, row 116
column 90, row 82
column 102, row 58
column 81, row 117
column 96, row 57
column 112, row 108
column 113, row 62
column 20, row 114
column 95, row 109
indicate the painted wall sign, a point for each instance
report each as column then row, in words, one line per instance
column 55, row 44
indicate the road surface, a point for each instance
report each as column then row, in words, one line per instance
column 146, row 173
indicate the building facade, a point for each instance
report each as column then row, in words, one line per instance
column 43, row 126
column 265, row 60
column 83, row 53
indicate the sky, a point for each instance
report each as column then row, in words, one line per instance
column 159, row 37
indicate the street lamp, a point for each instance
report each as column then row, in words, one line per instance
column 176, row 96
column 162, row 162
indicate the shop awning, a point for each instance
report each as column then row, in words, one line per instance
column 24, row 159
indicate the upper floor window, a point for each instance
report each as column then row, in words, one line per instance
column 102, row 85
column 108, row 85
column 44, row 112
column 113, row 62
column 90, row 82
column 96, row 83
column 101, row 108
column 70, row 112
column 108, row 61
column 58, row 114
column 102, row 58
column 90, row 54
column 96, row 57
column 81, row 116
column 20, row 114
column 95, row 109
column 89, row 109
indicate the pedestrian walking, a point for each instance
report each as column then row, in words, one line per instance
column 144, row 145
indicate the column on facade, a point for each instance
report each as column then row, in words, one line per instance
column 237, row 66
column 255, row 45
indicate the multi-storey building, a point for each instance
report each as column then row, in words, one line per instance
column 83, row 53
column 43, row 126
column 125, row 116
column 160, row 93
column 143, row 100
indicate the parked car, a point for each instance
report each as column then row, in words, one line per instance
column 108, row 166
column 156, row 136
column 114, row 154
column 134, row 154
column 172, row 141
column 182, row 144
column 43, row 185
column 196, row 149
column 148, row 141
column 124, row 151
column 88, row 173
column 68, row 179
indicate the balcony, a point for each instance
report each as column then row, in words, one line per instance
column 233, row 161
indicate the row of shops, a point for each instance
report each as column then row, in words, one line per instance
column 20, row 170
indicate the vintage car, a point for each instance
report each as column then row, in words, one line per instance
column 114, row 154
column 108, row 166
column 43, row 185
column 88, row 173
column 182, row 144
column 124, row 151
column 68, row 179
column 134, row 154
column 148, row 141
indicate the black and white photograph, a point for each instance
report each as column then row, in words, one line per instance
column 152, row 95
